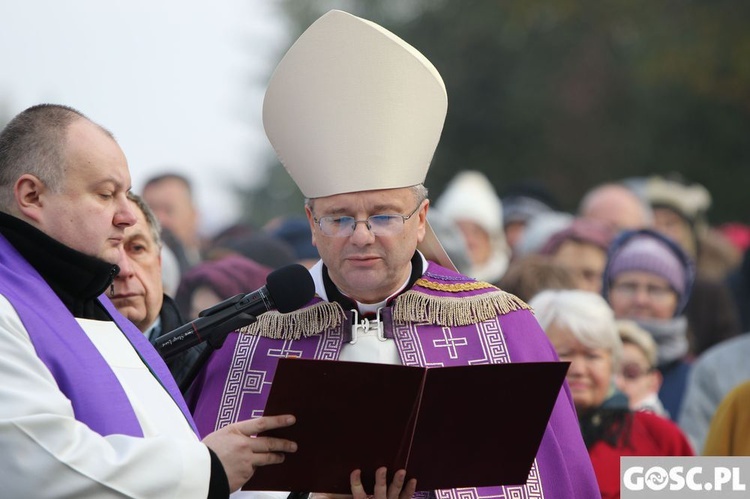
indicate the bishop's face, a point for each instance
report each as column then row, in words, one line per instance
column 365, row 266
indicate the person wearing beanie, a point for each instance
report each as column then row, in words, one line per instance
column 212, row 281
column 522, row 202
column 680, row 213
column 260, row 247
column 679, row 210
column 471, row 202
column 582, row 249
column 538, row 231
column 355, row 114
column 295, row 231
column 648, row 279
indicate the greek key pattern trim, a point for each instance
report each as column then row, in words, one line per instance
column 329, row 345
column 531, row 490
column 408, row 344
column 493, row 341
column 231, row 399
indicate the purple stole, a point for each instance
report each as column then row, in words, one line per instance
column 82, row 374
column 431, row 329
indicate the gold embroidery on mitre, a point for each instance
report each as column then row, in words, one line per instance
column 421, row 308
column 298, row 324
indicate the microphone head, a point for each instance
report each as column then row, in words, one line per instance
column 290, row 287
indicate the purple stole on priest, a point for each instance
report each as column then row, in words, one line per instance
column 80, row 371
column 446, row 319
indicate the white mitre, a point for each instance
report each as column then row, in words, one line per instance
column 352, row 107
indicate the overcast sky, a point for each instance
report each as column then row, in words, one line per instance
column 179, row 82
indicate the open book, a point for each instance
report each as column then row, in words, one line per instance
column 449, row 427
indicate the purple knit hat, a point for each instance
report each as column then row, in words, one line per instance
column 649, row 251
column 581, row 230
column 228, row 276
column 647, row 254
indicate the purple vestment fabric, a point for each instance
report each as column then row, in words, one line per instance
column 236, row 381
column 82, row 374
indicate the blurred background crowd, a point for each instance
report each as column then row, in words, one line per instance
column 595, row 158
column 677, row 287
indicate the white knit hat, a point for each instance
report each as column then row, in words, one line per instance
column 470, row 196
column 351, row 107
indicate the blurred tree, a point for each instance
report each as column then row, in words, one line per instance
column 574, row 93
column 276, row 196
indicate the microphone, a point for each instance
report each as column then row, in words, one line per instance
column 287, row 289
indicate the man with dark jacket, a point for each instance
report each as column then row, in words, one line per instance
column 138, row 292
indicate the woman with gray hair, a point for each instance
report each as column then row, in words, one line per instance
column 581, row 327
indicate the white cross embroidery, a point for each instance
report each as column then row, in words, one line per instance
column 284, row 351
column 450, row 343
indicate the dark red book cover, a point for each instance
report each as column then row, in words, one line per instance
column 460, row 426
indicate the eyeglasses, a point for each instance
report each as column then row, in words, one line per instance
column 634, row 371
column 379, row 225
column 654, row 292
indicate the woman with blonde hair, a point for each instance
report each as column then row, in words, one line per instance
column 638, row 378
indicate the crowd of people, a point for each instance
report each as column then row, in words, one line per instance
column 647, row 301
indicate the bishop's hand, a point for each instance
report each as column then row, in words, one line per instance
column 397, row 489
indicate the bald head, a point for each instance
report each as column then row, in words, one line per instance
column 36, row 142
column 617, row 206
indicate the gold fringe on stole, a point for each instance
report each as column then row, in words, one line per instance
column 298, row 324
column 418, row 307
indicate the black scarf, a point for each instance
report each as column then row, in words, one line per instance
column 78, row 279
column 611, row 422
